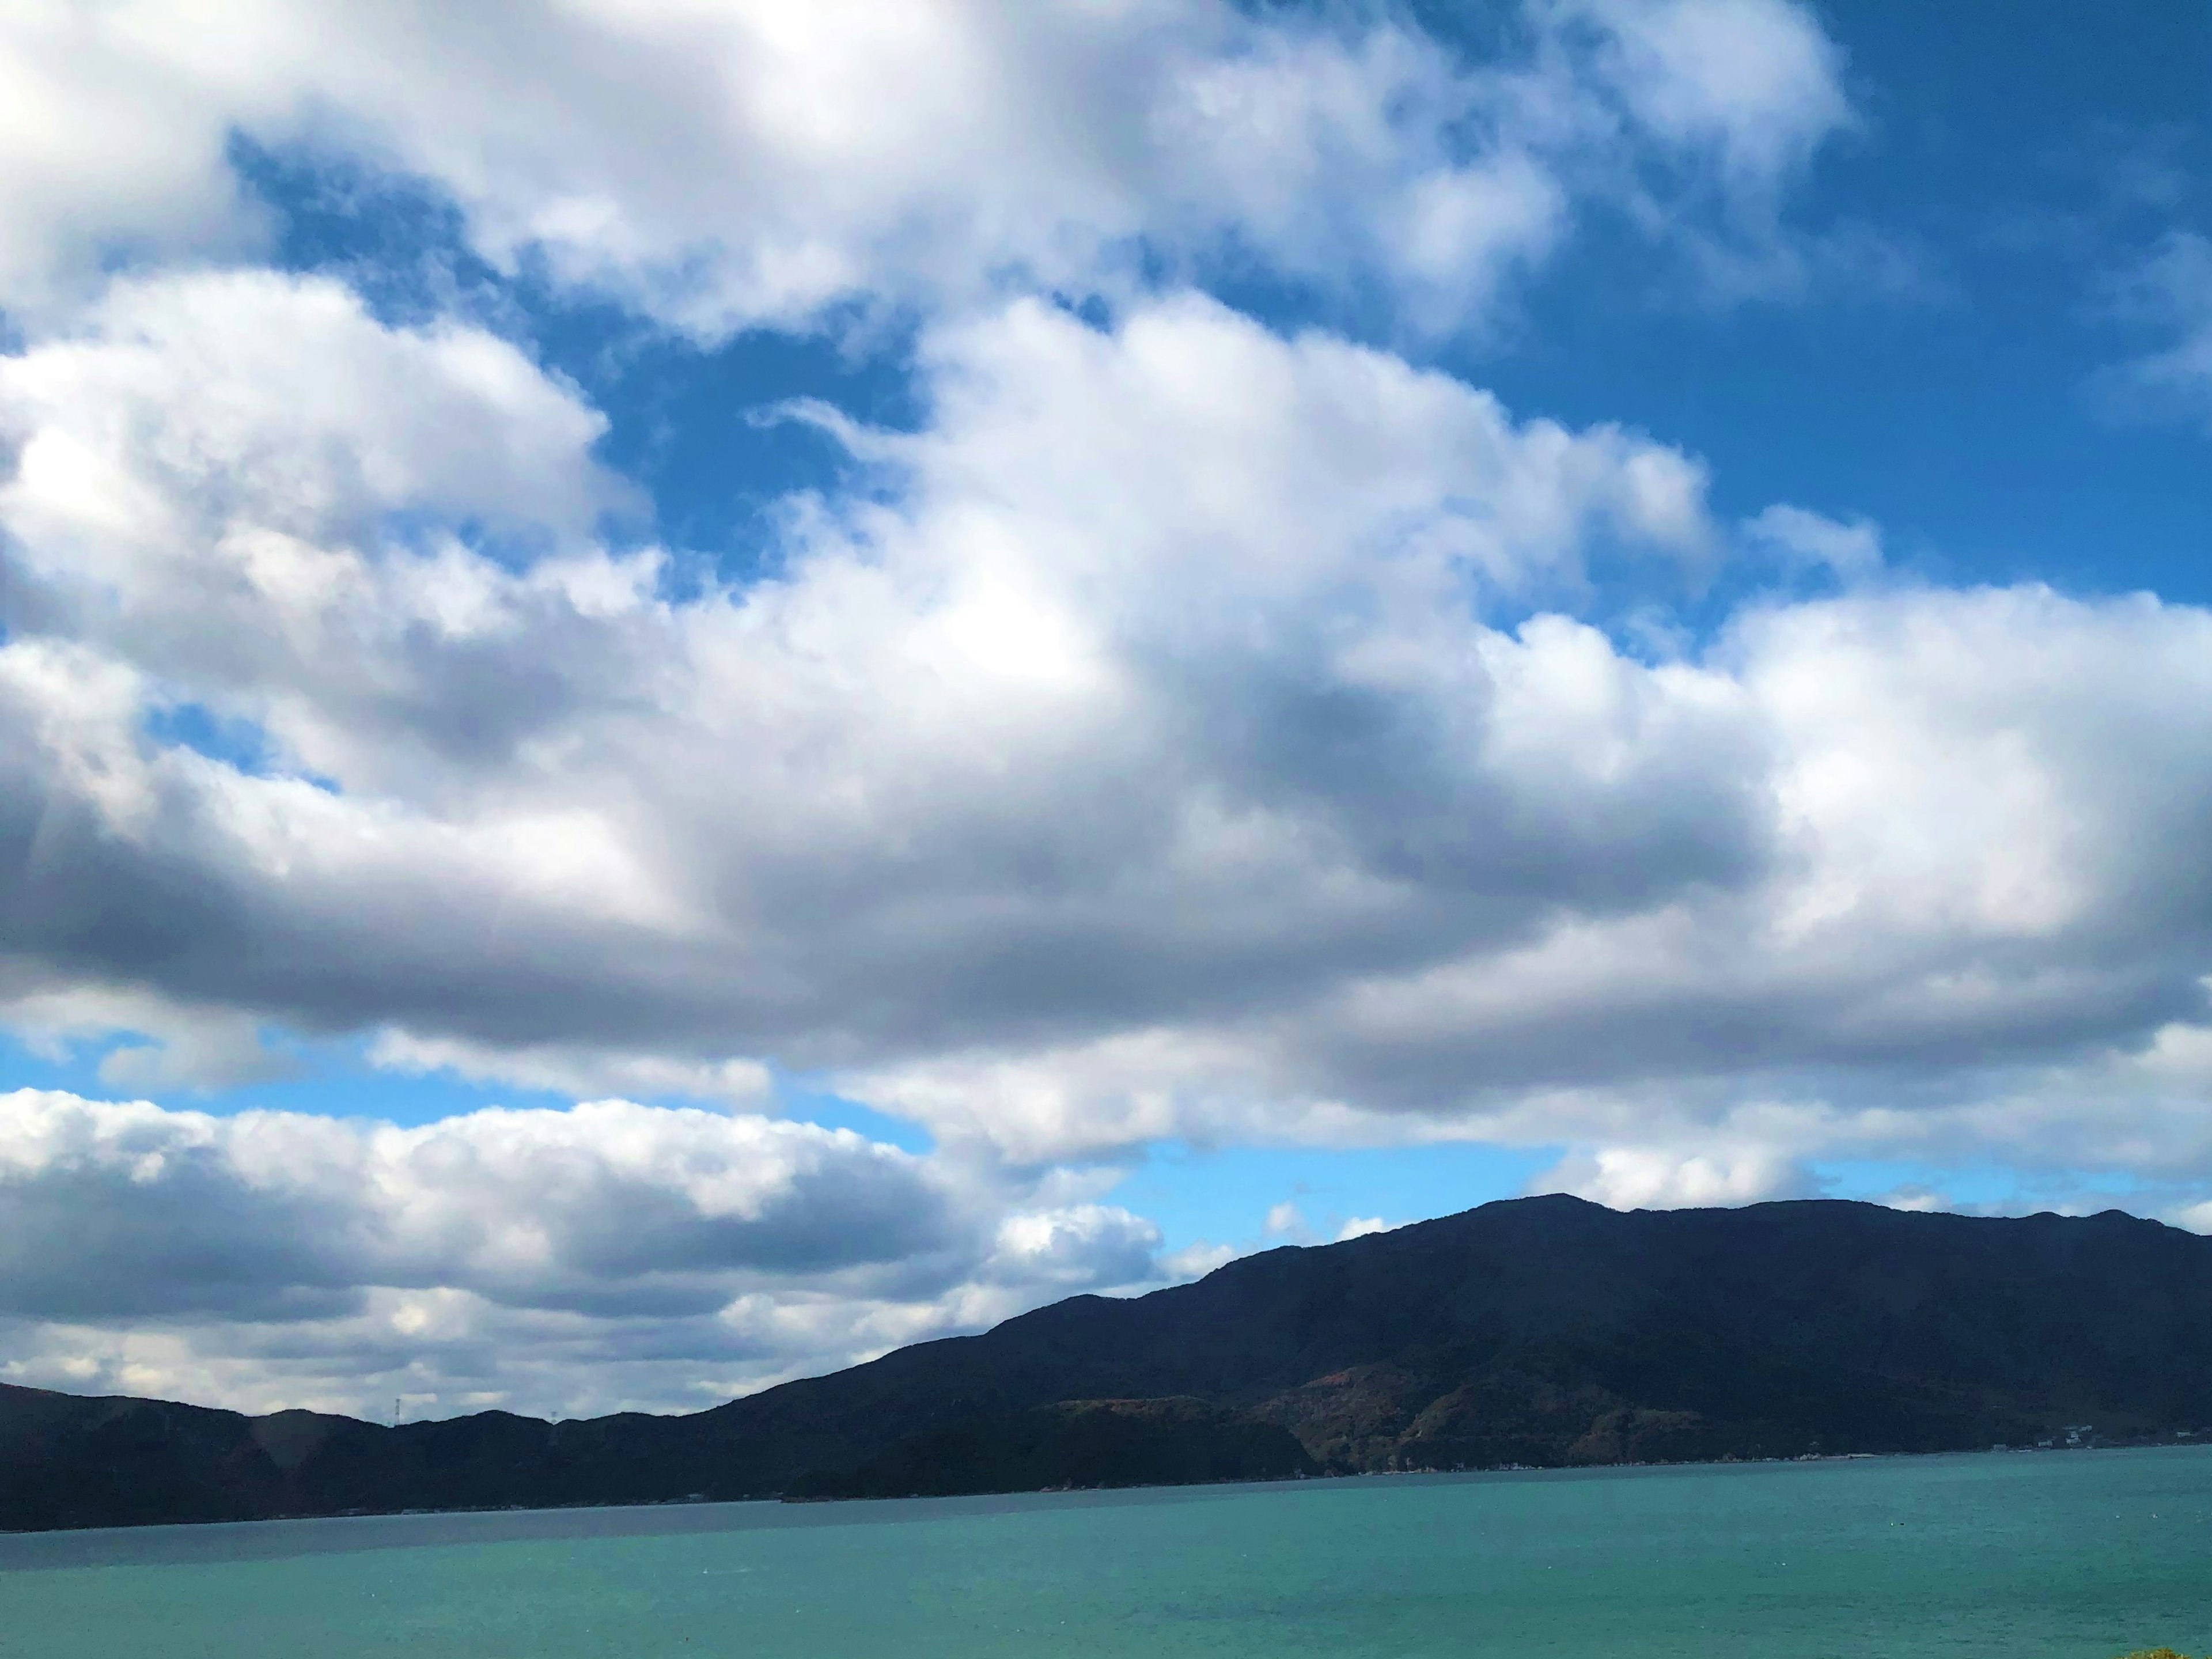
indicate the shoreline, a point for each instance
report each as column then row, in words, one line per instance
column 679, row 1505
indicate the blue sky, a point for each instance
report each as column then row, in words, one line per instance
column 2017, row 167
column 686, row 697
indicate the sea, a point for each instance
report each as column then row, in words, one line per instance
column 2069, row 1555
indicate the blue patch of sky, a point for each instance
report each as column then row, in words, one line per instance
column 1222, row 1195
column 1948, row 370
column 2018, row 157
column 49, row 1065
column 700, row 427
column 334, row 1077
column 1988, row 1187
column 1218, row 1195
column 685, row 421
column 810, row 1101
column 232, row 740
column 326, row 1078
column 236, row 742
column 1980, row 1187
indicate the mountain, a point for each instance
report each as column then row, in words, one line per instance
column 1541, row 1331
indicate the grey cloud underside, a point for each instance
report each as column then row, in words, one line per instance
column 151, row 1219
column 1059, row 921
column 92, row 1243
column 1795, row 1041
column 1234, row 824
column 1061, row 924
column 998, row 932
column 946, row 966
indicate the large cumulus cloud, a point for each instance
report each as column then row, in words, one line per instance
column 1144, row 748
column 1126, row 685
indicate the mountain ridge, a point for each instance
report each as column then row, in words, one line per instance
column 1541, row 1331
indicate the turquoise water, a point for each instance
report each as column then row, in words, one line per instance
column 2023, row 1554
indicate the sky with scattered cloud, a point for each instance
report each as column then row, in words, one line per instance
column 688, row 689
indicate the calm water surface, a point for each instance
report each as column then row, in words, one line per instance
column 2023, row 1555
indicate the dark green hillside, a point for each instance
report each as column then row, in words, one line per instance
column 1539, row 1331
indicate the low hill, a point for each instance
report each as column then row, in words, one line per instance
column 1541, row 1331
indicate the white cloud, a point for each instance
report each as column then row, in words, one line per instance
column 612, row 1252
column 1757, row 82
column 185, row 1047
column 2171, row 291
column 1653, row 1178
column 280, row 399
column 603, row 1202
column 1097, row 562
column 1924, row 1199
column 743, row 162
column 1081, row 1247
column 579, row 1073
column 1849, row 548
column 1975, row 856
column 1195, row 1260
column 107, row 148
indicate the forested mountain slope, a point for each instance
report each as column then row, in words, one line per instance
column 1538, row 1331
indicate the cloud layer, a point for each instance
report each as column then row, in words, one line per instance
column 664, row 1254
column 1144, row 750
column 727, row 165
